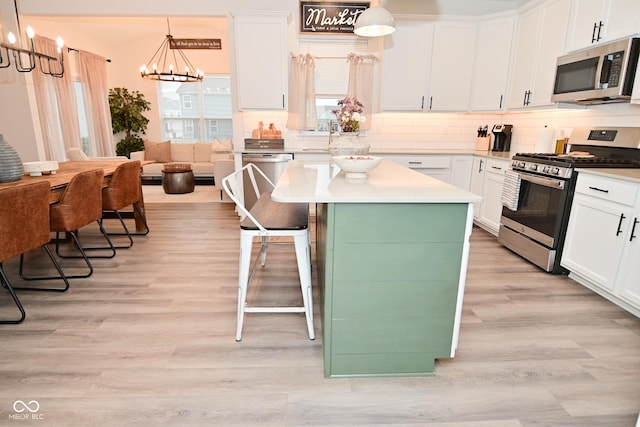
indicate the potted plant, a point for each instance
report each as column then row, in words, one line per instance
column 126, row 116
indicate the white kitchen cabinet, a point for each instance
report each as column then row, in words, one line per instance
column 598, row 21
column 599, row 251
column 436, row 166
column 539, row 40
column 461, row 169
column 487, row 179
column 492, row 183
column 491, row 64
column 261, row 60
column 477, row 179
column 452, row 67
column 412, row 81
column 405, row 68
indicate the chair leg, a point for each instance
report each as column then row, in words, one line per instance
column 5, row 284
column 303, row 256
column 136, row 207
column 58, row 268
column 263, row 250
column 111, row 248
column 246, row 244
column 83, row 255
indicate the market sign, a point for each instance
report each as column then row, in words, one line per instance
column 333, row 18
column 195, row 43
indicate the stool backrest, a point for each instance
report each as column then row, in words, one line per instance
column 124, row 187
column 233, row 183
column 24, row 218
column 81, row 202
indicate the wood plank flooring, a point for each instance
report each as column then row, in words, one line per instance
column 148, row 340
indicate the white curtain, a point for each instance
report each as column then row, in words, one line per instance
column 93, row 75
column 57, row 106
column 302, row 93
column 361, row 73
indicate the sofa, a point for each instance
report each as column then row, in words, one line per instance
column 210, row 162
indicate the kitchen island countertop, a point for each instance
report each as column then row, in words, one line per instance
column 324, row 182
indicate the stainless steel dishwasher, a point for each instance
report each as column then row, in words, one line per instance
column 272, row 164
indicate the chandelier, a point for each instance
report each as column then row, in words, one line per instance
column 162, row 66
column 25, row 60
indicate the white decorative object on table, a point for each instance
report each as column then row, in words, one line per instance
column 38, row 168
column 357, row 166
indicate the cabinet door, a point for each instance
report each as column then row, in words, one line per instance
column 598, row 21
column 621, row 19
column 629, row 283
column 552, row 37
column 452, row 68
column 261, row 61
column 406, row 60
column 525, row 56
column 491, row 209
column 593, row 246
column 461, row 169
column 477, row 178
column 491, row 65
column 585, row 14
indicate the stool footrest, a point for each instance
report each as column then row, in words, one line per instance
column 274, row 310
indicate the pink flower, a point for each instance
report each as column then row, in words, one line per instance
column 349, row 114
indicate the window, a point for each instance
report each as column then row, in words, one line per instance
column 194, row 112
column 82, row 119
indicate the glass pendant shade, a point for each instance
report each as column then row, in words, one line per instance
column 374, row 22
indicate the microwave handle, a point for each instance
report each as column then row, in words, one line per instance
column 605, row 72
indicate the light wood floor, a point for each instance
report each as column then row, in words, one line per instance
column 148, row 340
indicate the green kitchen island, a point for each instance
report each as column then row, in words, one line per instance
column 391, row 254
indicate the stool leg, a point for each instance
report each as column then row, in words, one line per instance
column 303, row 256
column 246, row 243
column 263, row 250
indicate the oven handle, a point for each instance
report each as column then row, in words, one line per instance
column 546, row 182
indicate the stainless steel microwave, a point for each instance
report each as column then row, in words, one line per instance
column 597, row 75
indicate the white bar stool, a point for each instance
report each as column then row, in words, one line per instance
column 266, row 219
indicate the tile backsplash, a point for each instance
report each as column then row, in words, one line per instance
column 447, row 131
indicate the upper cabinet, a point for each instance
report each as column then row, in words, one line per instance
column 413, row 81
column 261, row 60
column 596, row 21
column 491, row 64
column 405, row 70
column 539, row 40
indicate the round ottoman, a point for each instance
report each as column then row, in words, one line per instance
column 177, row 178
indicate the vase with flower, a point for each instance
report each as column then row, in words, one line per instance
column 348, row 142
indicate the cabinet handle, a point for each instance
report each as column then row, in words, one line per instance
column 496, row 167
column 283, row 100
column 524, row 101
column 415, row 163
column 500, row 107
column 422, row 105
column 593, row 33
column 633, row 229
column 480, row 166
column 430, row 102
column 599, row 28
column 620, row 224
column 598, row 189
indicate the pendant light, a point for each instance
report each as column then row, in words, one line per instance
column 376, row 21
column 170, row 64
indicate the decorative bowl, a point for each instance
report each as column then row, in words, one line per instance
column 38, row 168
column 355, row 166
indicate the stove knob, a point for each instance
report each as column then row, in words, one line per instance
column 533, row 167
column 545, row 169
column 556, row 171
column 522, row 164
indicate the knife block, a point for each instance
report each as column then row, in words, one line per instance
column 483, row 143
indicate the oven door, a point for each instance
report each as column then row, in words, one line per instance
column 542, row 204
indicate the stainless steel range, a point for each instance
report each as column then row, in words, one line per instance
column 539, row 190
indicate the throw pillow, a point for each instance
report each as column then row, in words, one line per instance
column 158, row 152
column 202, row 152
column 182, row 152
column 226, row 145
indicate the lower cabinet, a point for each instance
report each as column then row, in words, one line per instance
column 487, row 178
column 602, row 245
column 436, row 166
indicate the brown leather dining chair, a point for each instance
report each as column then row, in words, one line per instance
column 123, row 191
column 24, row 221
column 80, row 205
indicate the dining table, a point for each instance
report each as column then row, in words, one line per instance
column 60, row 178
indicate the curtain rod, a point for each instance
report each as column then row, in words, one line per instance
column 70, row 49
column 345, row 57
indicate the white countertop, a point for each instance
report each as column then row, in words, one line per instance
column 390, row 182
column 627, row 174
